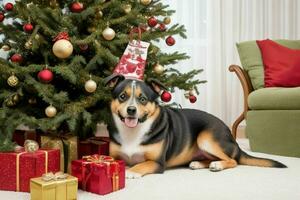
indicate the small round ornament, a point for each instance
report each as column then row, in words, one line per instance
column 9, row 7
column 37, row 36
column 127, row 8
column 15, row 98
column 170, row 41
column 152, row 21
column 62, row 48
column 90, row 86
column 31, row 146
column 2, row 17
column 28, row 28
column 76, row 7
column 50, row 111
column 109, row 33
column 192, row 98
column 99, row 14
column 158, row 69
column 5, row 47
column 28, row 44
column 16, row 58
column 45, row 76
column 166, row 96
column 91, row 29
column 12, row 81
column 162, row 27
column 53, row 4
column 146, row 2
column 167, row 20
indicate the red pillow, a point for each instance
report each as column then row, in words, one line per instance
column 281, row 64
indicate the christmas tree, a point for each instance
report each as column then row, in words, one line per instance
column 59, row 52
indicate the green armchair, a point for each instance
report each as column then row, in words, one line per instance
column 272, row 114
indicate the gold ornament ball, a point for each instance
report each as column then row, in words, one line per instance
column 109, row 33
column 62, row 48
column 191, row 93
column 159, row 69
column 10, row 103
column 16, row 98
column 127, row 8
column 13, row 81
column 91, row 29
column 167, row 20
column 90, row 86
column 99, row 14
column 37, row 37
column 50, row 111
column 146, row 2
column 28, row 44
column 5, row 47
column 31, row 146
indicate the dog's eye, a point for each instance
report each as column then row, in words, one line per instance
column 143, row 100
column 123, row 97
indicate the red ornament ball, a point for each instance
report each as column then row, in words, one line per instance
column 16, row 58
column 28, row 28
column 192, row 98
column 45, row 76
column 2, row 17
column 152, row 21
column 170, row 41
column 162, row 27
column 166, row 96
column 9, row 7
column 76, row 7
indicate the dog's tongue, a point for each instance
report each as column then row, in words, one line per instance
column 131, row 122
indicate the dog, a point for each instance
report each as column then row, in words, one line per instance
column 151, row 138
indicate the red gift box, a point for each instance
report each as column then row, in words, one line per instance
column 16, row 169
column 93, row 146
column 99, row 174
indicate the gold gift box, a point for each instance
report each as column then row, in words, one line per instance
column 54, row 190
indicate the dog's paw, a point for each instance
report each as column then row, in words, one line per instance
column 216, row 166
column 132, row 175
column 196, row 165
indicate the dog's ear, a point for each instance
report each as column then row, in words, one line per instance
column 156, row 85
column 113, row 80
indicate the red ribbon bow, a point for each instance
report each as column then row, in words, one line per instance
column 62, row 35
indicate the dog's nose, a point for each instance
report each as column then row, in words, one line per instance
column 131, row 110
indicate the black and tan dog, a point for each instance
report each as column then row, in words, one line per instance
column 151, row 138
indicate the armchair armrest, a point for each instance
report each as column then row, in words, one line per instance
column 247, row 89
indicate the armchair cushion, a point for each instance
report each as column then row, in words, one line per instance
column 251, row 59
column 274, row 98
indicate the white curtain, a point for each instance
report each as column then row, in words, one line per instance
column 227, row 22
column 231, row 21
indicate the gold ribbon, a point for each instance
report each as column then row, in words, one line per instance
column 54, row 177
column 97, row 159
column 18, row 167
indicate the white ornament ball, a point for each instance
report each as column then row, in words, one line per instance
column 109, row 33
column 90, row 86
column 159, row 69
column 50, row 111
column 62, row 48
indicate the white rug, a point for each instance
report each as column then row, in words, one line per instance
column 242, row 182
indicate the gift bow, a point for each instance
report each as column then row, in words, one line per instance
column 101, row 159
column 54, row 177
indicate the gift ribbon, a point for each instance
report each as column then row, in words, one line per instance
column 101, row 159
column 62, row 35
column 54, row 177
column 18, row 167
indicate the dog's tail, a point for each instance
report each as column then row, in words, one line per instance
column 246, row 159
